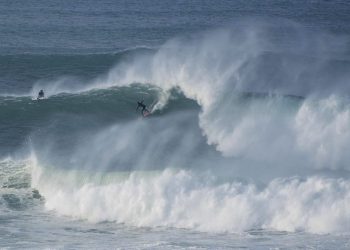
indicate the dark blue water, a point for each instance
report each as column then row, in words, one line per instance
column 91, row 27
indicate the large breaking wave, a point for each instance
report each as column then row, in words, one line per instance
column 259, row 139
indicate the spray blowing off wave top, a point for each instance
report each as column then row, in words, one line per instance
column 248, row 57
column 68, row 72
column 258, row 58
column 213, row 68
column 265, row 104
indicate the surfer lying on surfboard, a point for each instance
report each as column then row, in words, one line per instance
column 144, row 110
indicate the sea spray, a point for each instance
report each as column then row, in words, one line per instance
column 215, row 67
column 265, row 108
column 186, row 199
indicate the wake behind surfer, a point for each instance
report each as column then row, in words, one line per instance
column 40, row 94
column 143, row 106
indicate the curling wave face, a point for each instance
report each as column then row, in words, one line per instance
column 237, row 113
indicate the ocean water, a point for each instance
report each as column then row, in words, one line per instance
column 247, row 145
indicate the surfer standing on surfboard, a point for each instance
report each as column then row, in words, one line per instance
column 144, row 110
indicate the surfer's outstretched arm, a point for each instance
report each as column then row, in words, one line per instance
column 140, row 104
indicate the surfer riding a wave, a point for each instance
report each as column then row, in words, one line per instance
column 144, row 110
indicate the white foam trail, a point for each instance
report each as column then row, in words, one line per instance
column 185, row 200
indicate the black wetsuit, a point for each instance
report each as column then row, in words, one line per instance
column 143, row 106
column 41, row 94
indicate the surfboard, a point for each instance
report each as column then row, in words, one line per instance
column 146, row 113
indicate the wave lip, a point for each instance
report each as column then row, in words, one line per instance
column 244, row 82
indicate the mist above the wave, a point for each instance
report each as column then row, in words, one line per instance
column 259, row 57
column 256, row 56
column 272, row 104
